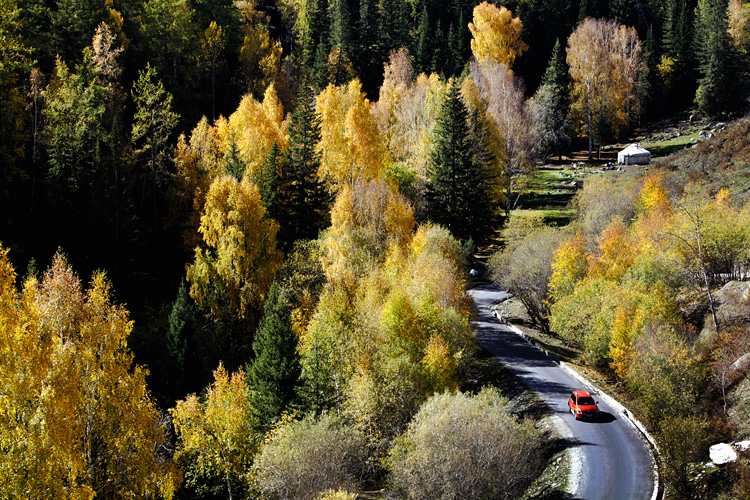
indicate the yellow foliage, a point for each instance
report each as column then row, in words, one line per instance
column 215, row 438
column 77, row 418
column 351, row 145
column 496, row 35
column 255, row 126
column 366, row 220
column 654, row 213
column 233, row 272
column 605, row 63
column 260, row 58
column 666, row 70
column 636, row 310
column 617, row 253
column 440, row 365
column 336, row 495
column 569, row 267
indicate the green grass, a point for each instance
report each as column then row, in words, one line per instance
column 664, row 148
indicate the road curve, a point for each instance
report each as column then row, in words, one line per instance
column 616, row 462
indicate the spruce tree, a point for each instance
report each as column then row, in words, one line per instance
column 715, row 91
column 275, row 371
column 303, row 201
column 182, row 327
column 457, row 195
column 268, row 183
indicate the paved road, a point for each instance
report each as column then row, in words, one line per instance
column 616, row 463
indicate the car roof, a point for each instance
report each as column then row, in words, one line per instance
column 581, row 394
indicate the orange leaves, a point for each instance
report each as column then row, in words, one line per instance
column 569, row 267
column 496, row 35
column 616, row 252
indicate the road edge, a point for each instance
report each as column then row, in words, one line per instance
column 634, row 422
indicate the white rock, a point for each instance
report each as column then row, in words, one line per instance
column 722, row 453
column 742, row 446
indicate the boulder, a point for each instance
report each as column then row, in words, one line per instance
column 722, row 453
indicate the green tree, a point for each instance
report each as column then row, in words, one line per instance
column 275, row 370
column 715, row 90
column 153, row 123
column 550, row 106
column 457, row 194
column 14, row 60
column 303, row 201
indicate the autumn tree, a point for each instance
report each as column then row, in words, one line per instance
column 464, row 446
column 524, row 268
column 509, row 121
column 215, row 441
column 234, row 268
column 302, row 459
column 351, row 146
column 496, row 35
column 77, row 414
column 605, row 61
column 212, row 44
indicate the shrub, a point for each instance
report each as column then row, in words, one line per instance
column 305, row 458
column 467, row 447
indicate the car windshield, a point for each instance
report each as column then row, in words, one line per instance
column 586, row 401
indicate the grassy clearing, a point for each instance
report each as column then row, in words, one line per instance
column 662, row 148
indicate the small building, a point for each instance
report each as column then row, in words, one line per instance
column 634, row 155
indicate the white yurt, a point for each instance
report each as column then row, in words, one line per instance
column 634, row 155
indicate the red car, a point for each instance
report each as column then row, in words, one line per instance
column 582, row 405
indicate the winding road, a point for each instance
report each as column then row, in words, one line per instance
column 615, row 461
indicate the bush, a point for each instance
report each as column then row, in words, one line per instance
column 467, row 447
column 306, row 458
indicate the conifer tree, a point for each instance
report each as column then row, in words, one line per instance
column 275, row 371
column 303, row 202
column 715, row 92
column 268, row 184
column 457, row 186
column 551, row 106
column 422, row 54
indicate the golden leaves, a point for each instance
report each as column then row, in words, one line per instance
column 82, row 422
column 496, row 35
column 232, row 274
column 214, row 434
column 351, row 145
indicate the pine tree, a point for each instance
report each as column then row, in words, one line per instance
column 268, row 184
column 303, row 202
column 650, row 88
column 422, row 54
column 275, row 371
column 551, row 105
column 182, row 326
column 232, row 162
column 715, row 92
column 457, row 185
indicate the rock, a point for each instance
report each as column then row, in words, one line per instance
column 742, row 446
column 722, row 453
